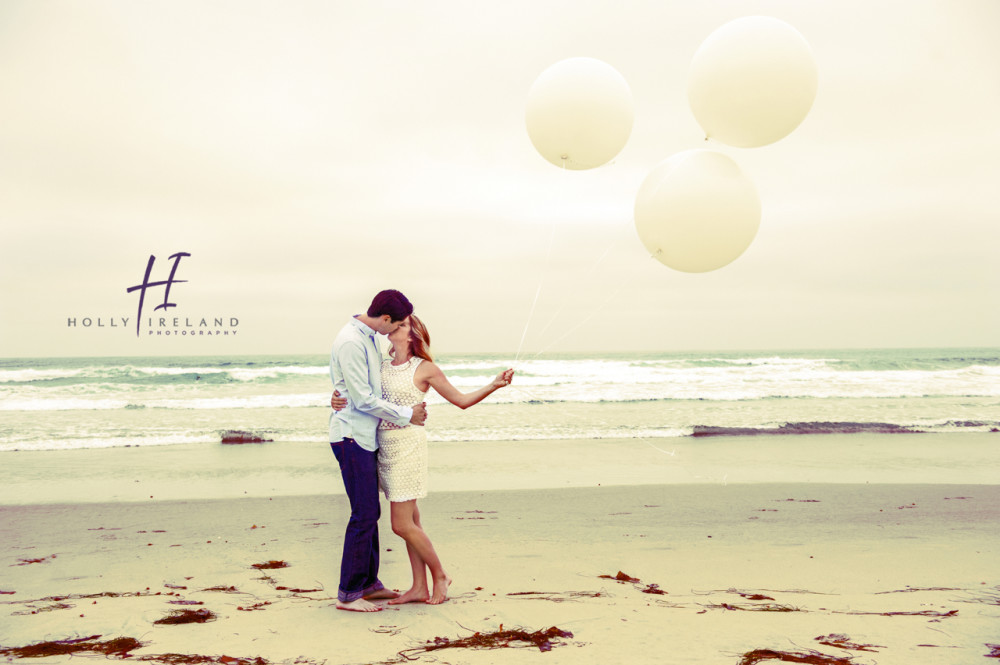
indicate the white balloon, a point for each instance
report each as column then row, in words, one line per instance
column 697, row 211
column 579, row 113
column 752, row 82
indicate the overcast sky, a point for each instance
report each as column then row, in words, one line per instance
column 309, row 154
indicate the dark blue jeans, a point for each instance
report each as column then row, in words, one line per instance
column 359, row 565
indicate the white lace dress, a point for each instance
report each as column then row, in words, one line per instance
column 402, row 451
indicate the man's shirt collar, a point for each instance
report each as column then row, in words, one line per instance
column 363, row 328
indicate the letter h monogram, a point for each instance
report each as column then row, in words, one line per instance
column 146, row 284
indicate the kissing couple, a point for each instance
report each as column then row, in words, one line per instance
column 377, row 435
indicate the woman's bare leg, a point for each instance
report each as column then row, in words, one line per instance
column 406, row 524
column 418, row 592
column 417, row 565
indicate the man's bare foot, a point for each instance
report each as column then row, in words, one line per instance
column 382, row 594
column 414, row 595
column 440, row 591
column 359, row 605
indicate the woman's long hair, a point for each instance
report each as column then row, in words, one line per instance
column 420, row 339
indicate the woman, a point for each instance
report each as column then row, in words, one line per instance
column 402, row 460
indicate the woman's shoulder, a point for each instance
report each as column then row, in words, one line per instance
column 427, row 367
column 424, row 365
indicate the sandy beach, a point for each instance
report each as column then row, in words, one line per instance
column 692, row 572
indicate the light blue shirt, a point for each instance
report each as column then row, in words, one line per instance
column 356, row 370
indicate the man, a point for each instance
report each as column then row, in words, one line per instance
column 355, row 367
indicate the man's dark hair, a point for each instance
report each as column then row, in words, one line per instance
column 390, row 302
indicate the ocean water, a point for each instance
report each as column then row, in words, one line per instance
column 86, row 403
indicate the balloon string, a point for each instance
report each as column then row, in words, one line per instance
column 524, row 332
column 672, row 453
column 541, row 281
column 625, row 281
column 538, row 291
column 589, row 271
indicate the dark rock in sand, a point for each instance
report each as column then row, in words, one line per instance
column 805, row 428
column 241, row 436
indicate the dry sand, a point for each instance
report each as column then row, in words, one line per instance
column 910, row 573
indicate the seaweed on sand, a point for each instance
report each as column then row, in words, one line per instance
column 296, row 590
column 766, row 607
column 994, row 651
column 58, row 604
column 187, row 616
column 556, row 596
column 625, row 578
column 195, row 659
column 749, row 595
column 28, row 562
column 842, row 641
column 120, row 646
column 809, row 657
column 104, row 594
column 987, row 597
column 922, row 613
column 542, row 639
column 270, row 565
column 35, row 609
column 915, row 589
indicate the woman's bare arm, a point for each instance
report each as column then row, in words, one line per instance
column 429, row 374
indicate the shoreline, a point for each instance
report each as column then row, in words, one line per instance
column 908, row 569
column 197, row 471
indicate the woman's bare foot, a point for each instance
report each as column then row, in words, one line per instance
column 414, row 595
column 382, row 594
column 359, row 605
column 440, row 591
